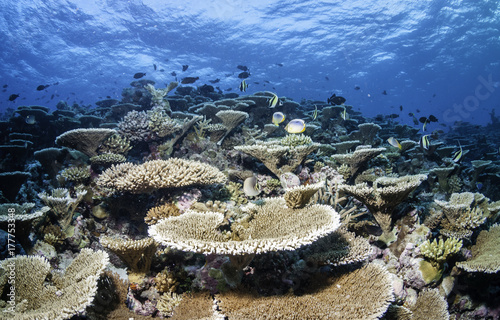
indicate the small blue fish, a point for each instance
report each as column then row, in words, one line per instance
column 479, row 185
column 274, row 101
column 296, row 126
column 278, row 117
column 243, row 86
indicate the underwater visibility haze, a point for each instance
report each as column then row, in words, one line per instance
column 193, row 159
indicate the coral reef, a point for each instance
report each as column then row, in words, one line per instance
column 157, row 174
column 485, row 253
column 62, row 204
column 84, row 140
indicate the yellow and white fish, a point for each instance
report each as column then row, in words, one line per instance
column 315, row 113
column 278, row 117
column 243, row 86
column 395, row 143
column 296, row 126
column 344, row 115
column 457, row 155
column 424, row 142
column 274, row 101
column 251, row 187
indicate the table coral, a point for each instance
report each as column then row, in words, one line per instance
column 157, row 174
column 485, row 253
column 62, row 204
column 84, row 140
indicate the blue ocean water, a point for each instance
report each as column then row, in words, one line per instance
column 441, row 57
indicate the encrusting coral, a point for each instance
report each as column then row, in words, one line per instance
column 272, row 227
column 63, row 295
column 137, row 254
column 382, row 198
column 485, row 253
column 157, row 174
column 84, row 140
column 363, row 294
column 62, row 204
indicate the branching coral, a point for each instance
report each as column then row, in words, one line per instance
column 135, row 126
column 160, row 123
column 157, row 174
column 485, row 253
column 107, row 159
column 84, row 140
column 271, row 227
column 383, row 197
column 115, row 144
column 62, row 204
column 464, row 212
column 439, row 252
column 76, row 175
column 155, row 214
column 66, row 295
column 363, row 294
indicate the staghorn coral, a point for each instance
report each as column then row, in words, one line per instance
column 485, row 253
column 338, row 248
column 62, row 204
column 382, row 198
column 363, row 294
column 168, row 302
column 463, row 212
column 115, row 144
column 76, row 175
column 165, row 281
column 107, row 159
column 230, row 119
column 166, row 210
column 272, row 227
column 299, row 196
column 84, row 140
column 278, row 158
column 137, row 254
column 439, row 252
column 157, row 174
column 63, row 295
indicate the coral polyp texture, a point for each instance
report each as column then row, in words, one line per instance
column 363, row 294
column 271, row 226
column 485, row 253
column 158, row 174
column 64, row 295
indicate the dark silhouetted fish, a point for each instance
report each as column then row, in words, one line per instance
column 279, row 64
column 357, row 88
column 55, row 84
column 243, row 68
column 173, row 73
column 400, row 108
column 154, row 66
column 266, row 81
column 5, row 86
column 139, row 75
column 423, row 119
column 3, row 90
column 214, row 81
column 384, row 93
column 418, row 110
column 51, row 97
column 244, row 75
column 335, row 100
column 42, row 87
column 162, row 70
column 188, row 80
column 109, row 97
column 185, row 67
column 433, row 118
column 229, row 89
column 13, row 97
